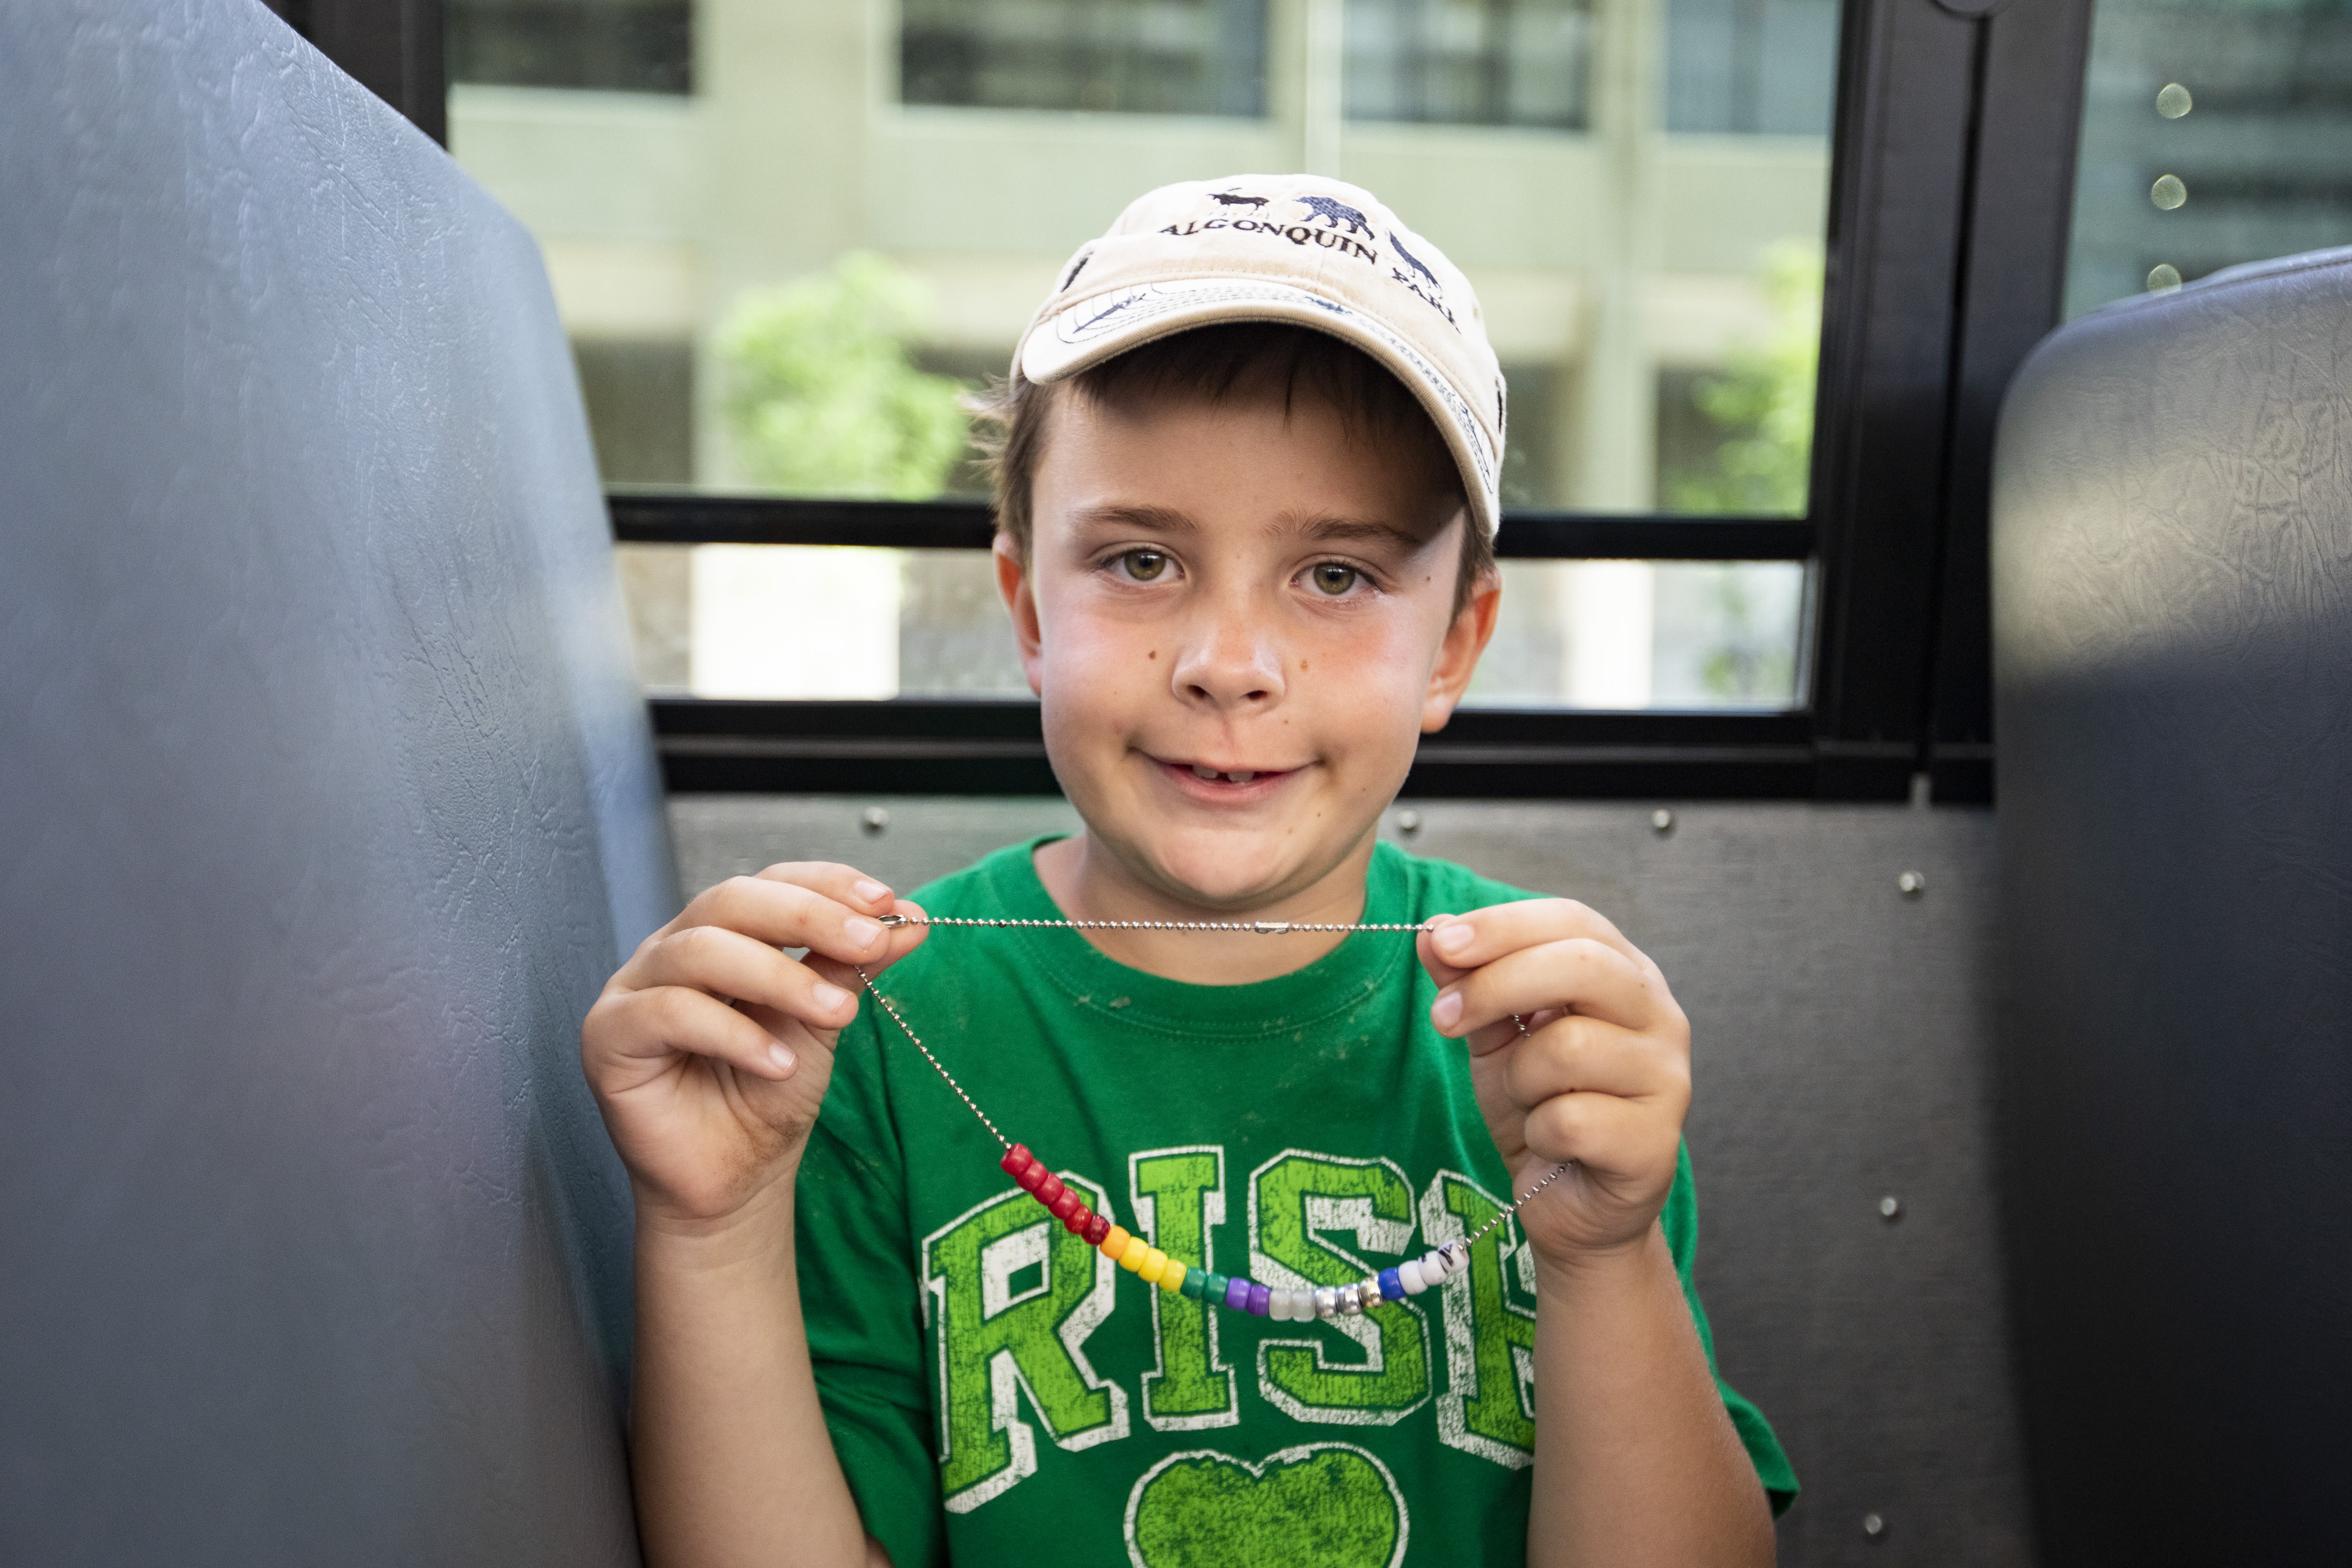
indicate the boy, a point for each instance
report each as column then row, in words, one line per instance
column 1245, row 500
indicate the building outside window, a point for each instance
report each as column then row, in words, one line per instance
column 1637, row 188
column 2214, row 133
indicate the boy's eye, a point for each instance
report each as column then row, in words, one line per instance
column 1143, row 565
column 1335, row 579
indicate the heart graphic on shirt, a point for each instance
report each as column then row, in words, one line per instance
column 1322, row 1505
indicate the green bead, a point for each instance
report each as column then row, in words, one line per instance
column 1194, row 1280
column 1213, row 1289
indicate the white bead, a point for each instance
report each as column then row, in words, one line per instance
column 1433, row 1267
column 1409, row 1276
column 1457, row 1258
column 1282, row 1307
column 1302, row 1306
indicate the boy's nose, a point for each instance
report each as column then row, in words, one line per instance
column 1228, row 666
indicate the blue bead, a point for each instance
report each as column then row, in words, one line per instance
column 1391, row 1288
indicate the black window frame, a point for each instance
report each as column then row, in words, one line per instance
column 1951, row 189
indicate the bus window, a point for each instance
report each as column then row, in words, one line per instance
column 1637, row 188
column 2213, row 133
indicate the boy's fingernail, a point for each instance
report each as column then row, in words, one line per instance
column 872, row 891
column 782, row 1055
column 829, row 997
column 860, row 931
column 1454, row 938
column 1448, row 1011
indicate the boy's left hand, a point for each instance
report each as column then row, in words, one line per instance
column 1601, row 1076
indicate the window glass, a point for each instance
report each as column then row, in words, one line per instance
column 838, row 622
column 1485, row 62
column 785, row 234
column 2214, row 133
column 1133, row 57
column 619, row 45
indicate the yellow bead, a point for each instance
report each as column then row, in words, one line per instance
column 1153, row 1262
column 1114, row 1244
column 1137, row 1249
column 1171, row 1279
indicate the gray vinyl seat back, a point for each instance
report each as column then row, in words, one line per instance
column 2173, row 608
column 329, row 802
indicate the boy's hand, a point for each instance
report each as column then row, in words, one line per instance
column 709, row 1050
column 1601, row 1077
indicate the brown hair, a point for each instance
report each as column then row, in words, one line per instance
column 1215, row 364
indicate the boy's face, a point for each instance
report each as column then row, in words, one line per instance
column 1240, row 623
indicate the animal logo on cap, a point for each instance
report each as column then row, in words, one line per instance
column 1396, row 243
column 1113, row 309
column 1335, row 214
column 1235, row 199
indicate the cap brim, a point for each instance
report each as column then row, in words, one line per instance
column 1108, row 324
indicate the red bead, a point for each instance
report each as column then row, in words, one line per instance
column 1068, row 1203
column 1048, row 1191
column 1036, row 1177
column 1077, row 1219
column 1015, row 1159
column 1098, row 1226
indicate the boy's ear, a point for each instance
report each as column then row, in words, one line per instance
column 1458, row 655
column 1020, row 597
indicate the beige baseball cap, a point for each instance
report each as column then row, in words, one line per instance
column 1295, row 248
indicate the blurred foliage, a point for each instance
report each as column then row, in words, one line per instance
column 820, row 394
column 1763, row 401
column 1750, row 662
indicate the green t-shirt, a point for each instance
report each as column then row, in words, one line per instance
column 1001, row 1393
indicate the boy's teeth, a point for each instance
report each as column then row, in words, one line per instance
column 1241, row 778
column 1200, row 773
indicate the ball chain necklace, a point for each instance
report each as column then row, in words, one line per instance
column 1133, row 1253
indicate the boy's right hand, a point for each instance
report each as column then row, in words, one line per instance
column 710, row 1050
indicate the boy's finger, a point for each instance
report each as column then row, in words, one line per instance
column 729, row 964
column 1467, row 941
column 1579, row 1055
column 647, row 1030
column 1607, row 1135
column 842, row 884
column 1425, row 947
column 902, row 941
column 1580, row 974
column 786, row 914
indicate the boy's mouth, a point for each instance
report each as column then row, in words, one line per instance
column 1201, row 780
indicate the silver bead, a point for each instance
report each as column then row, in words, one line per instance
column 1351, row 1301
column 1326, row 1302
column 1370, row 1291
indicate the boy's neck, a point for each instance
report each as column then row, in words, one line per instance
column 1088, row 882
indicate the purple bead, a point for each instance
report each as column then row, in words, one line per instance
column 1391, row 1288
column 1258, row 1297
column 1237, row 1294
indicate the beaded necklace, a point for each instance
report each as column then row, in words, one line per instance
column 1149, row 1263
